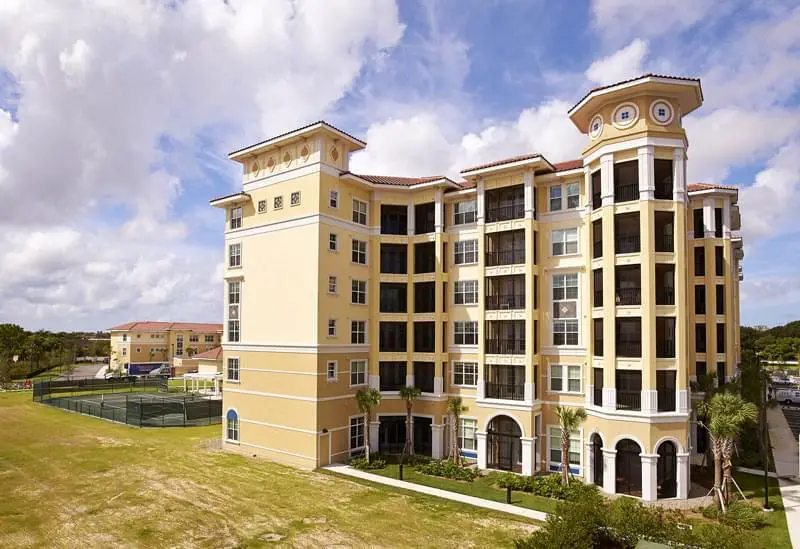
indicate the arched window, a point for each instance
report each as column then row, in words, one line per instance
column 232, row 432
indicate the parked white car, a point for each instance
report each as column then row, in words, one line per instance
column 788, row 396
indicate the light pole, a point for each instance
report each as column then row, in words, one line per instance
column 764, row 438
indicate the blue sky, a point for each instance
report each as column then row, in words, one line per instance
column 115, row 118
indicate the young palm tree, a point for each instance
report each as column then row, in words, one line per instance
column 409, row 394
column 706, row 385
column 569, row 419
column 367, row 399
column 455, row 408
column 727, row 413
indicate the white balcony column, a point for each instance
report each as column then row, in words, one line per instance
column 480, row 201
column 682, row 398
column 437, row 436
column 410, row 220
column 683, row 475
column 589, row 397
column 588, row 467
column 607, row 179
column 374, row 435
column 528, row 393
column 726, row 219
column 527, row 179
column 649, row 476
column 410, row 380
column 587, row 183
column 649, row 401
column 438, row 386
column 375, row 382
column 679, row 175
column 527, row 455
column 609, row 471
column 481, row 449
column 481, row 392
column 610, row 398
column 708, row 217
column 647, row 186
column 438, row 212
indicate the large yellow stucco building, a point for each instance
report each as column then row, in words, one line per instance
column 605, row 282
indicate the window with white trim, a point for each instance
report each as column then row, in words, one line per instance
column 555, row 198
column 333, row 242
column 331, row 371
column 467, row 434
column 209, row 339
column 466, row 292
column 358, row 372
column 232, row 373
column 554, row 437
column 235, row 255
column 565, row 309
column 124, row 351
column 331, row 284
column 234, row 300
column 194, row 339
column 465, row 212
column 565, row 241
column 236, row 218
column 356, row 433
column 333, row 199
column 465, row 332
column 232, row 426
column 331, row 327
column 359, row 212
column 465, row 373
column 358, row 332
column 124, row 337
column 466, row 251
column 566, row 379
column 572, row 191
column 359, row 254
column 359, row 292
column 178, row 345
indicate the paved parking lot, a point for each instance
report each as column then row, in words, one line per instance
column 792, row 415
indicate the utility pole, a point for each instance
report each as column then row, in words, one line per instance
column 764, row 436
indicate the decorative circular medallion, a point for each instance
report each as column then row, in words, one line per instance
column 625, row 115
column 596, row 126
column 661, row 112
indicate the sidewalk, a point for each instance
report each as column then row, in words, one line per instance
column 785, row 453
column 469, row 500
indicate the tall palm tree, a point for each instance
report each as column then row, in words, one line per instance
column 705, row 385
column 409, row 394
column 726, row 414
column 569, row 419
column 367, row 400
column 455, row 408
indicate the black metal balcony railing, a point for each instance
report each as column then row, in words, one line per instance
column 598, row 347
column 627, row 244
column 505, row 257
column 629, row 296
column 663, row 191
column 598, row 396
column 504, row 213
column 665, row 296
column 504, row 391
column 505, row 346
column 393, row 267
column 665, row 243
column 505, row 301
column 597, row 249
column 598, row 299
column 665, row 349
column 629, row 400
column 629, row 348
column 626, row 193
column 596, row 200
column 391, row 385
column 666, row 400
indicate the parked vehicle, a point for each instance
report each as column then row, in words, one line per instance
column 788, row 396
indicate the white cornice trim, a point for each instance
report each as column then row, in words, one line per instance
column 286, row 397
column 536, row 160
column 294, row 173
column 634, row 144
column 636, row 82
column 242, row 153
column 300, row 221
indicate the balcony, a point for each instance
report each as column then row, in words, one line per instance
column 662, row 176
column 629, row 296
column 665, row 295
column 505, row 204
column 631, row 349
column 627, row 238
column 629, row 337
column 504, row 391
column 394, row 219
column 502, row 346
column 627, row 243
column 505, row 257
column 626, row 181
column 505, row 292
column 394, row 259
column 505, row 248
column 665, row 349
column 424, row 257
column 628, row 280
column 596, row 187
column 629, row 400
column 424, row 218
column 423, row 376
column 598, row 396
column 626, row 193
column 392, row 376
column 503, row 302
column 666, row 400
column 505, row 213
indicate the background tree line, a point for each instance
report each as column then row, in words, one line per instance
column 778, row 343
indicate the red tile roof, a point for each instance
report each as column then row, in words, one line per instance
column 646, row 75
column 212, row 354
column 398, row 181
column 295, row 131
column 709, row 186
column 568, row 165
column 504, row 161
column 150, row 326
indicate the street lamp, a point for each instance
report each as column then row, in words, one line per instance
column 764, row 440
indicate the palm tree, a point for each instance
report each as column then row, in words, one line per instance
column 409, row 394
column 706, row 385
column 455, row 408
column 569, row 419
column 367, row 399
column 726, row 414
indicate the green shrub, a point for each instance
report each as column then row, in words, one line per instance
column 743, row 516
column 375, row 462
column 549, row 486
column 416, row 459
column 447, row 469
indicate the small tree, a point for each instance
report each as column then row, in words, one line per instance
column 367, row 399
column 409, row 394
column 569, row 419
column 455, row 408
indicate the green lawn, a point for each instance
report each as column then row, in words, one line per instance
column 74, row 481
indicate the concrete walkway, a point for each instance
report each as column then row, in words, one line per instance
column 785, row 453
column 469, row 500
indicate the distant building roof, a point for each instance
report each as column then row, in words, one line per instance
column 399, row 181
column 710, row 186
column 151, row 326
column 212, row 354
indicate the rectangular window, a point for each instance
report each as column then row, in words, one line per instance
column 466, row 292
column 699, row 227
column 465, row 333
column 277, row 203
column 565, row 241
column 124, row 351
column 466, row 251
column 235, row 255
column 465, row 374
column 236, row 218
column 209, row 339
column 718, row 222
column 467, row 437
column 721, row 338
column 566, row 379
column 331, row 284
column 719, row 261
column 700, row 369
column 358, row 332
column 555, row 198
column 465, row 212
column 359, row 212
column 333, row 199
column 720, row 299
column 332, row 327
column 598, row 336
column 356, row 433
column 332, row 373
column 234, row 300
column 359, row 252
column 597, row 287
column 699, row 300
column 359, row 292
column 233, row 369
column 573, row 195
column 554, row 439
column 699, row 261
column 194, row 339
column 358, row 372
column 565, row 309
column 333, row 242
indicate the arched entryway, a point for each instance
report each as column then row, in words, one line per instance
column 629, row 468
column 667, row 470
column 597, row 459
column 504, row 444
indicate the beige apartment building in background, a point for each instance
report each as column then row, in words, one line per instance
column 607, row 282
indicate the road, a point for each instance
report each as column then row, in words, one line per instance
column 792, row 415
column 85, row 370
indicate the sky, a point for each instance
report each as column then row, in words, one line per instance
column 116, row 117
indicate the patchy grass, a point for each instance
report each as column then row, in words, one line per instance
column 74, row 481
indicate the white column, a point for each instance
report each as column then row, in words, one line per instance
column 587, row 183
column 610, row 398
column 437, row 432
column 682, row 398
column 375, row 382
column 726, row 219
column 481, row 388
column 410, row 380
column 528, row 393
column 647, row 186
column 438, row 213
column 438, row 386
column 708, row 217
column 609, row 471
column 589, row 395
column 588, row 463
column 683, row 475
column 527, row 179
column 679, row 175
column 607, row 179
column 481, row 449
column 374, row 435
column 479, row 202
column 527, row 456
column 649, row 401
column 649, row 481
column 410, row 221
